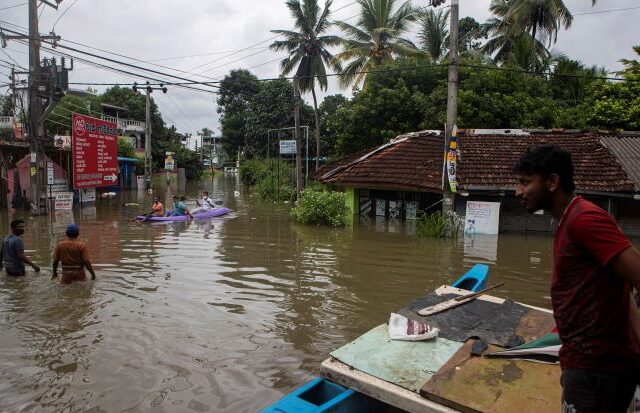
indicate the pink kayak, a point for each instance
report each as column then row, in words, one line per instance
column 215, row 212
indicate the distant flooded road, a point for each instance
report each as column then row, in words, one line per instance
column 225, row 315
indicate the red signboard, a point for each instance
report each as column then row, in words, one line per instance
column 95, row 152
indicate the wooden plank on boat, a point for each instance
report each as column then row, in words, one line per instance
column 407, row 364
column 478, row 384
column 379, row 389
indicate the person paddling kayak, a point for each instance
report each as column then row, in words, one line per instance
column 179, row 207
column 157, row 209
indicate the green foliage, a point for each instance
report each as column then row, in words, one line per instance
column 6, row 107
column 249, row 109
column 321, row 207
column 126, row 149
column 189, row 160
column 376, row 38
column 273, row 179
column 436, row 225
column 59, row 120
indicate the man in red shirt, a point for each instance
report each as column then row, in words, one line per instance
column 595, row 268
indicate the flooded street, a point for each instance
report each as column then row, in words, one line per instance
column 225, row 315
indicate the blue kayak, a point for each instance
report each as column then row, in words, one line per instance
column 475, row 279
column 324, row 396
column 215, row 212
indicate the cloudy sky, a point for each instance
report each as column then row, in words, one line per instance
column 207, row 38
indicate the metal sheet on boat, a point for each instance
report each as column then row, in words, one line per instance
column 478, row 384
column 408, row 364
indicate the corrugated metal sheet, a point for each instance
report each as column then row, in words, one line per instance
column 627, row 150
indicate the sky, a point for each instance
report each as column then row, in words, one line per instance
column 208, row 38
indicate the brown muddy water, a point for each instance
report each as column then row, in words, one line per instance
column 225, row 315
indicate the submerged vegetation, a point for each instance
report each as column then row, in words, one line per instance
column 321, row 207
column 273, row 180
column 436, row 225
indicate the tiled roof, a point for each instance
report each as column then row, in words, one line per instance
column 409, row 163
column 414, row 161
column 627, row 150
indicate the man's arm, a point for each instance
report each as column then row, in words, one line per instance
column 90, row 268
column 26, row 260
column 55, row 268
column 627, row 265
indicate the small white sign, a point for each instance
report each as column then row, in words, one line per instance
column 287, row 147
column 64, row 201
column 482, row 218
column 50, row 173
column 87, row 195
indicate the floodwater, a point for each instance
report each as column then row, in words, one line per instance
column 225, row 315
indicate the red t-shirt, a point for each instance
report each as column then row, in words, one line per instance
column 590, row 302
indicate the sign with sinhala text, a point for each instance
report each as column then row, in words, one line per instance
column 482, row 218
column 95, row 152
column 287, row 147
column 63, row 201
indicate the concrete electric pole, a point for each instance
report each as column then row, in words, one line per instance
column 148, row 165
column 296, row 119
column 448, row 196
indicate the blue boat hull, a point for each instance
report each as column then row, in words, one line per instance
column 323, row 396
column 475, row 279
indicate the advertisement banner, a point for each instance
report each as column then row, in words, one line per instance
column 169, row 162
column 63, row 201
column 95, row 152
column 18, row 131
column 452, row 160
column 62, row 141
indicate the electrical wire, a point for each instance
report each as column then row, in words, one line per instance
column 14, row 6
column 62, row 15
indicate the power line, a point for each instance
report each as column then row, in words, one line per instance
column 605, row 11
column 14, row 6
column 62, row 15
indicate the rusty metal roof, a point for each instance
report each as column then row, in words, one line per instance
column 627, row 150
column 414, row 162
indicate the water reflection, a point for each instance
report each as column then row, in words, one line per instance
column 219, row 315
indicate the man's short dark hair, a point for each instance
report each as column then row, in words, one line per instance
column 15, row 223
column 545, row 160
column 205, row 193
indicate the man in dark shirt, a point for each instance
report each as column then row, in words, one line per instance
column 12, row 251
column 595, row 268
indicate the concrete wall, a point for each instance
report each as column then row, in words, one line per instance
column 515, row 219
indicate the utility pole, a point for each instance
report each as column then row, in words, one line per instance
column 148, row 165
column 448, row 195
column 296, row 132
column 39, row 87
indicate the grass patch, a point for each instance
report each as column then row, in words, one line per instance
column 436, row 225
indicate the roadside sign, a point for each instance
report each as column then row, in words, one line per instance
column 95, row 152
column 50, row 177
column 63, row 201
column 287, row 147
column 18, row 131
column 169, row 162
column 87, row 195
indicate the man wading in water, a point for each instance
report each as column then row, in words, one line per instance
column 12, row 251
column 594, row 269
column 74, row 256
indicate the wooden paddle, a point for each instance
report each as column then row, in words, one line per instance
column 454, row 302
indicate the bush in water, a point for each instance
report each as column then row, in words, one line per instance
column 436, row 225
column 273, row 180
column 320, row 207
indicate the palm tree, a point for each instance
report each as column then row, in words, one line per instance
column 434, row 31
column 375, row 38
column 541, row 17
column 308, row 51
column 510, row 42
column 632, row 66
